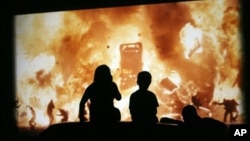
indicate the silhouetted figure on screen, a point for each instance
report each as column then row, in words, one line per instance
column 101, row 94
column 32, row 121
column 50, row 108
column 143, row 103
column 197, row 128
column 64, row 114
column 230, row 106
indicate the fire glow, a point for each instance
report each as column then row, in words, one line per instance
column 190, row 48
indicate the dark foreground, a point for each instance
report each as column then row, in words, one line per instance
column 122, row 131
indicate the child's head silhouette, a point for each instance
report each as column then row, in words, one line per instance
column 144, row 79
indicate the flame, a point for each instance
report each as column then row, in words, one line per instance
column 190, row 38
column 194, row 45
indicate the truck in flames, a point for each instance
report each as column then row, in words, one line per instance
column 131, row 63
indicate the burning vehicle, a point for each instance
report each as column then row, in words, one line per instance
column 131, row 63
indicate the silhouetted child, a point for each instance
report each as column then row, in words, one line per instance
column 101, row 94
column 143, row 103
column 197, row 128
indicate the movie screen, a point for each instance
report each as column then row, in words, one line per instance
column 192, row 49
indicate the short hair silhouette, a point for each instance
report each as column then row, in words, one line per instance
column 143, row 103
column 196, row 127
column 189, row 113
column 144, row 79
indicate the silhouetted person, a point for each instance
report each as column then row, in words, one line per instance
column 230, row 109
column 101, row 94
column 143, row 103
column 32, row 121
column 197, row 128
column 64, row 115
column 50, row 108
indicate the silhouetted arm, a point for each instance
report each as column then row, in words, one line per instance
column 132, row 109
column 218, row 103
column 118, row 95
column 156, row 104
column 83, row 101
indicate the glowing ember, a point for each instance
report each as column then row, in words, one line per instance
column 192, row 50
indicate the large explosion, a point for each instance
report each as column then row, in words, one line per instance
column 192, row 50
